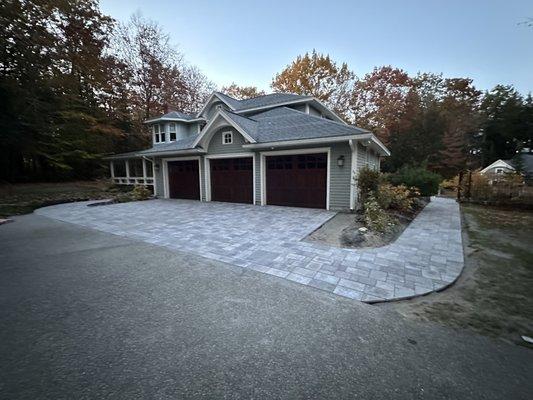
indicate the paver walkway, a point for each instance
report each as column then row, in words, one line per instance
column 427, row 256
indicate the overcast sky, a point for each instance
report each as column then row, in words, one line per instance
column 249, row 41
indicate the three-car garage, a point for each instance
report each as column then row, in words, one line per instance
column 293, row 180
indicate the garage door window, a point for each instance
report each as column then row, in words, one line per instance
column 311, row 162
column 279, row 162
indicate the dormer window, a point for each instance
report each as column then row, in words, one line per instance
column 227, row 137
column 157, row 137
column 172, row 131
column 162, row 133
column 159, row 133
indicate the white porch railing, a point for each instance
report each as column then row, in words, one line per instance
column 131, row 180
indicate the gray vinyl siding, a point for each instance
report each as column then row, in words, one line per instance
column 314, row 111
column 216, row 147
column 361, row 156
column 303, row 108
column 182, row 130
column 340, row 177
column 160, row 191
column 210, row 112
column 192, row 129
column 367, row 157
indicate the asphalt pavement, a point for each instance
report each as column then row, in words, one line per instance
column 90, row 315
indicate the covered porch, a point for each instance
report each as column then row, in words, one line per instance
column 132, row 171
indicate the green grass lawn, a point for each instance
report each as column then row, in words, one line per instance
column 25, row 197
column 494, row 295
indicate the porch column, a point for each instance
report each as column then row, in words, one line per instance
column 112, row 169
column 127, row 163
column 144, row 169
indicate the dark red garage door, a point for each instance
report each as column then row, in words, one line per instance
column 183, row 180
column 297, row 180
column 232, row 180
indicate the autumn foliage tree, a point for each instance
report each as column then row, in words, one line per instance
column 242, row 92
column 74, row 86
column 317, row 75
column 379, row 101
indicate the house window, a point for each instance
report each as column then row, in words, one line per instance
column 157, row 138
column 172, row 131
column 162, row 133
column 499, row 170
column 227, row 137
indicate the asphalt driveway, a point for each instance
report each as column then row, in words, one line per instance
column 86, row 314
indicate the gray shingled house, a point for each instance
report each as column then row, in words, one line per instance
column 277, row 149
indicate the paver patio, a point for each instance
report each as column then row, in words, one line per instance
column 427, row 256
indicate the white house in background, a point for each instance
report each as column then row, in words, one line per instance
column 501, row 167
column 498, row 167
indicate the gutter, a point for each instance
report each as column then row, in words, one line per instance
column 369, row 137
column 148, row 121
column 155, row 154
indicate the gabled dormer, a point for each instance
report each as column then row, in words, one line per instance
column 217, row 101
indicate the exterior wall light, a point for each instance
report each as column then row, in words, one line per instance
column 340, row 161
column 156, row 166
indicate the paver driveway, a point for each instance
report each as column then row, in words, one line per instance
column 427, row 256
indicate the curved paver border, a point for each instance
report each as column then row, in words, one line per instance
column 427, row 257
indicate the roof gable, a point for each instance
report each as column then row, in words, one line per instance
column 245, row 126
column 497, row 163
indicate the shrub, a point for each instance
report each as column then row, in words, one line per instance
column 426, row 181
column 399, row 198
column 450, row 184
column 140, row 193
column 375, row 217
column 368, row 181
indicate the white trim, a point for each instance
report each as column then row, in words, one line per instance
column 152, row 120
column 227, row 155
column 497, row 163
column 165, row 162
column 300, row 142
column 353, row 147
column 222, row 114
column 154, row 179
column 144, row 168
column 285, row 103
column 264, row 154
column 214, row 94
column 224, row 133
column 169, row 153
